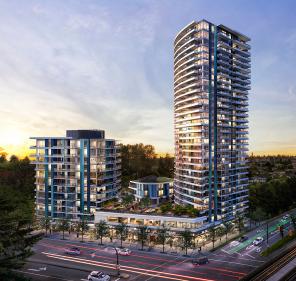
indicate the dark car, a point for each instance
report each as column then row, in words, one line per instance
column 243, row 239
column 200, row 261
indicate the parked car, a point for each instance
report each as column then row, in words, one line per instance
column 243, row 238
column 98, row 276
column 200, row 261
column 73, row 251
column 258, row 241
column 124, row 252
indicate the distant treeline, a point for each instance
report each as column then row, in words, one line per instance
column 139, row 160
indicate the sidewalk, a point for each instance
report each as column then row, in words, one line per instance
column 133, row 245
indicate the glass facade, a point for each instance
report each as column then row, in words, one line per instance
column 211, row 83
column 75, row 176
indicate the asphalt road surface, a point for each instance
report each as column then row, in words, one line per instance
column 231, row 262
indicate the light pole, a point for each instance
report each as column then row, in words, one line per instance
column 117, row 262
column 267, row 234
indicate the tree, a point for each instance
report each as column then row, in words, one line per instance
column 45, row 223
column 258, row 215
column 142, row 234
column 76, row 228
column 63, row 225
column 293, row 220
column 162, row 236
column 127, row 200
column 16, row 240
column 122, row 232
column 220, row 231
column 145, row 202
column 83, row 226
column 239, row 223
column 228, row 228
column 186, row 239
column 212, row 234
column 102, row 229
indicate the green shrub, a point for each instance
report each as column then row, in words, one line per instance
column 278, row 245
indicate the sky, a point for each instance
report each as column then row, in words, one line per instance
column 109, row 65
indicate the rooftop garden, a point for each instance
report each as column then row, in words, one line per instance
column 167, row 208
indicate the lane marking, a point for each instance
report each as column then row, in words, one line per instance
column 234, row 263
column 156, row 267
column 126, row 268
column 173, row 261
column 43, row 275
column 129, row 260
column 240, row 257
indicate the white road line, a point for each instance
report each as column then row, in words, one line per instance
column 43, row 275
column 86, row 280
column 234, row 263
column 240, row 257
column 252, row 257
column 33, row 269
column 117, row 279
column 161, row 265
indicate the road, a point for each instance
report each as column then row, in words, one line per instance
column 231, row 262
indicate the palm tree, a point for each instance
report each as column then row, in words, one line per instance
column 63, row 225
column 121, row 231
column 162, row 235
column 212, row 234
column 45, row 223
column 186, row 239
column 228, row 228
column 101, row 229
column 142, row 234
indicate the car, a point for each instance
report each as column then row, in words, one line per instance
column 258, row 250
column 286, row 217
column 124, row 252
column 243, row 238
column 258, row 241
column 73, row 251
column 200, row 261
column 98, row 276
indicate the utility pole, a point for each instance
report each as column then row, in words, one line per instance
column 267, row 234
column 117, row 262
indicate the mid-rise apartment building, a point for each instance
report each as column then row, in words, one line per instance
column 75, row 174
column 211, row 84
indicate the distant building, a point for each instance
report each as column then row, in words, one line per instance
column 153, row 187
column 75, row 174
column 211, row 83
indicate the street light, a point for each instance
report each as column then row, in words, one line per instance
column 117, row 262
column 267, row 232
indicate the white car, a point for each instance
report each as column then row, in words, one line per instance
column 124, row 252
column 258, row 250
column 73, row 251
column 98, row 276
column 258, row 241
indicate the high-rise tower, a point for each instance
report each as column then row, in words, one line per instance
column 211, row 83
